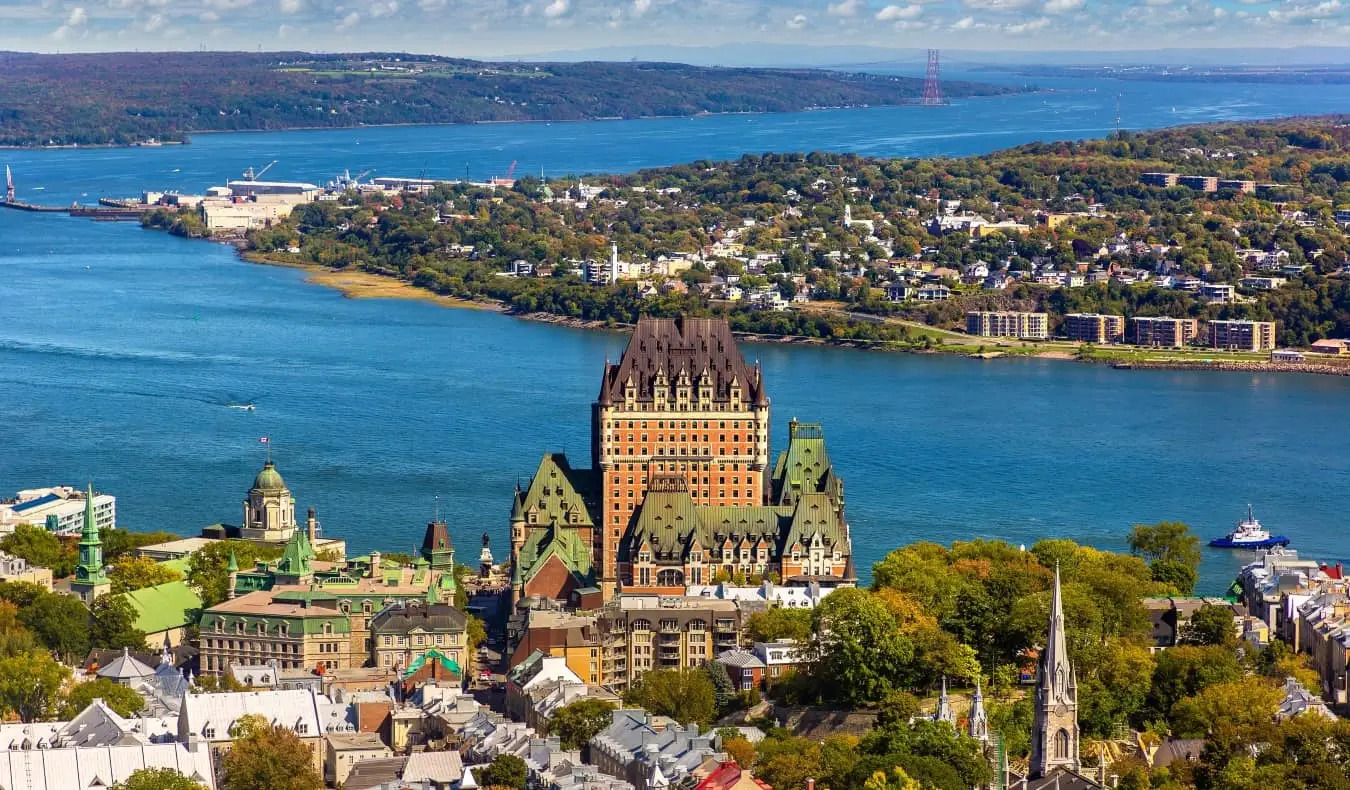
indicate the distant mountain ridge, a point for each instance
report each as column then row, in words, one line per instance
column 786, row 56
column 125, row 98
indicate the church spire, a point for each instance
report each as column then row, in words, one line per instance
column 1054, row 737
column 944, row 706
column 977, row 725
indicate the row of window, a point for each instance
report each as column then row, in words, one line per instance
column 419, row 640
column 686, row 438
column 682, row 424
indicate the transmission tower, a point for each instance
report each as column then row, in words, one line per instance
column 932, row 89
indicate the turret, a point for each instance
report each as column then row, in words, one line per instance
column 977, row 725
column 232, row 577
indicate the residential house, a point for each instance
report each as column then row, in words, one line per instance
column 781, row 658
column 743, row 667
column 633, row 748
column 343, row 750
column 536, row 670
column 210, row 720
column 404, row 632
column 730, row 776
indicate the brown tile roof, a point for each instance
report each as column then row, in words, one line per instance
column 675, row 346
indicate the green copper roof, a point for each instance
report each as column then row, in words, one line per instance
column 164, row 606
column 296, row 559
column 804, row 466
column 559, row 494
column 565, row 544
column 432, row 655
column 269, row 479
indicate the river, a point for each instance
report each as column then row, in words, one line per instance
column 120, row 348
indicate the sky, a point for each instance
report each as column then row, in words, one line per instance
column 487, row 28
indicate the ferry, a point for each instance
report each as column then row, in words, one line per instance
column 1248, row 534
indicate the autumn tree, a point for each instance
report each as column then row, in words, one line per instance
column 14, row 637
column 30, row 685
column 861, row 647
column 157, row 779
column 267, row 756
column 577, row 722
column 134, row 573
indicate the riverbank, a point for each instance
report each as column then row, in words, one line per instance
column 357, row 284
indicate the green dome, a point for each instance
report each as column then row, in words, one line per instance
column 269, row 479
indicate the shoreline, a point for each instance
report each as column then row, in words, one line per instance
column 357, row 284
column 188, row 134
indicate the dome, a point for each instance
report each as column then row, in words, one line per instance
column 269, row 479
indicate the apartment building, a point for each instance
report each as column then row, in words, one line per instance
column 1160, row 332
column 1024, row 326
column 1094, row 328
column 1238, row 335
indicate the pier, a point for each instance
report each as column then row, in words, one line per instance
column 124, row 213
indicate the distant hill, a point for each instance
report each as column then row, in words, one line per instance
column 831, row 56
column 122, row 98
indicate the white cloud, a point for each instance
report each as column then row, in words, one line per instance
column 75, row 21
column 348, row 22
column 797, row 22
column 997, row 5
column 1061, row 6
column 894, row 12
column 154, row 23
column 292, row 6
column 209, row 17
column 964, row 23
column 431, row 5
column 846, row 8
column 284, row 31
column 641, row 7
column 1019, row 28
column 382, row 9
column 555, row 9
column 903, row 25
column 1299, row 12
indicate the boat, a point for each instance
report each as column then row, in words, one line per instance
column 243, row 406
column 1249, row 534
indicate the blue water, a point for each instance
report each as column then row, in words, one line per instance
column 119, row 349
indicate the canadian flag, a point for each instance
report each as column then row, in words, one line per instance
column 264, row 439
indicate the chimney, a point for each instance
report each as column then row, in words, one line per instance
column 810, row 784
column 374, row 565
column 311, row 527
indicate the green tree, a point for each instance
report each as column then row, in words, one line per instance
column 862, row 652
column 505, row 770
column 1171, row 550
column 119, row 542
column 724, row 691
column 30, row 685
column 135, row 573
column 61, row 624
column 1184, row 671
column 206, row 568
column 41, row 548
column 1211, row 624
column 897, row 779
column 577, row 722
column 267, row 756
column 685, row 695
column 1247, row 702
column 122, row 699
column 157, row 779
column 113, row 624
column 779, row 623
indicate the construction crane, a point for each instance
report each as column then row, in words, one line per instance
column 250, row 175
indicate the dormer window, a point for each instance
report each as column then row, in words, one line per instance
column 208, row 731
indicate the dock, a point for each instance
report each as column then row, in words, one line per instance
column 122, row 213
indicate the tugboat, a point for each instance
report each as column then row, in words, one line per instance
column 1248, row 534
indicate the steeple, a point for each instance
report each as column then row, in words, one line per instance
column 944, row 706
column 91, row 580
column 231, row 577
column 1054, row 736
column 977, row 725
column 90, row 569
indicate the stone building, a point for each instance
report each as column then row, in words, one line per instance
column 681, row 465
column 269, row 510
column 401, row 634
